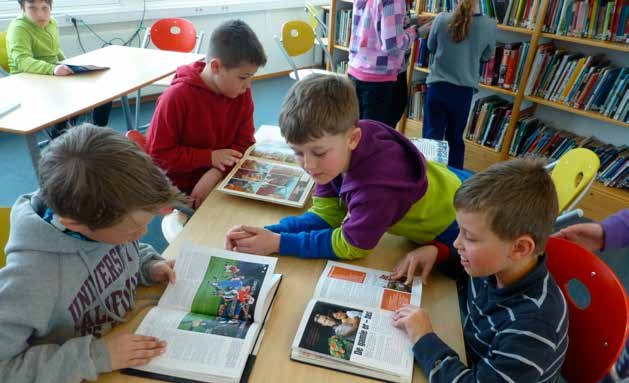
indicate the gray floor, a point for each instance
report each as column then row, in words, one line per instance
column 17, row 175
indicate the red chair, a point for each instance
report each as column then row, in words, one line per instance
column 171, row 34
column 137, row 137
column 596, row 333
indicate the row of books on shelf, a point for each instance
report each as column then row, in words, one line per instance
column 344, row 27
column 505, row 67
column 594, row 19
column 535, row 138
column 341, row 66
column 517, row 13
column 589, row 83
column 488, row 120
column 423, row 57
column 416, row 99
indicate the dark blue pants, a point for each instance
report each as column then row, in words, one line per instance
column 445, row 113
column 375, row 100
column 100, row 116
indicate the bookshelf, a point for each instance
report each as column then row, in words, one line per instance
column 601, row 200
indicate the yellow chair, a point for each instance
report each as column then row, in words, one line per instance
column 4, row 55
column 298, row 37
column 4, row 233
column 573, row 175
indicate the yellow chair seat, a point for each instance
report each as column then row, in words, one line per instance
column 573, row 174
column 4, row 55
column 297, row 37
column 5, row 213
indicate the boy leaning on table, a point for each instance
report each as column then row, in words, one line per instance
column 33, row 47
column 516, row 318
column 74, row 260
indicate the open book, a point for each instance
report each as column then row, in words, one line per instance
column 269, row 172
column 212, row 318
column 433, row 150
column 348, row 325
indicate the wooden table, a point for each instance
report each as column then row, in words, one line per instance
column 47, row 100
column 219, row 213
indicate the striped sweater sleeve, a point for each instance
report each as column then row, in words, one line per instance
column 523, row 353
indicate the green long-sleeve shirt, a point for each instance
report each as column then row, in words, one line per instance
column 31, row 48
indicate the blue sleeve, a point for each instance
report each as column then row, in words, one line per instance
column 306, row 222
column 314, row 244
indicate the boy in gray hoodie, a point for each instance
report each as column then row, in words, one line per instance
column 74, row 260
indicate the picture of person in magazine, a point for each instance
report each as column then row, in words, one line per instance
column 232, row 328
column 298, row 191
column 272, row 191
column 256, row 166
column 286, row 171
column 392, row 284
column 331, row 330
column 278, row 179
column 240, row 185
column 249, row 175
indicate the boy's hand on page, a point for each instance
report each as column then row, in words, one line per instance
column 589, row 235
column 162, row 271
column 425, row 257
column 234, row 234
column 63, row 70
column 253, row 240
column 413, row 320
column 130, row 350
column 224, row 158
column 204, row 186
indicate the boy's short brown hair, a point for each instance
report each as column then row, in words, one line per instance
column 97, row 176
column 518, row 197
column 234, row 43
column 317, row 105
column 22, row 2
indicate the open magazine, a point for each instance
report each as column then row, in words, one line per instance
column 212, row 317
column 433, row 150
column 269, row 172
column 348, row 324
column 85, row 68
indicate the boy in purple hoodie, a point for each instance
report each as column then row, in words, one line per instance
column 609, row 234
column 370, row 180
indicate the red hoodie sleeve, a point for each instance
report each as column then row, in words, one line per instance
column 163, row 137
column 245, row 127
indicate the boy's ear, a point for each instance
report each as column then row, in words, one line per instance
column 215, row 65
column 72, row 224
column 355, row 134
column 523, row 247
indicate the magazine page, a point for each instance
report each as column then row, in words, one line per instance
column 356, row 335
column 433, row 150
column 343, row 282
column 218, row 282
column 188, row 335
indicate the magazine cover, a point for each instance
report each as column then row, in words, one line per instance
column 433, row 150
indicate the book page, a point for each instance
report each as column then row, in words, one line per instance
column 343, row 282
column 433, row 150
column 201, row 344
column 356, row 335
column 217, row 282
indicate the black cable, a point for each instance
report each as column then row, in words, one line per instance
column 78, row 35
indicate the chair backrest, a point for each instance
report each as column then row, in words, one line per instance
column 137, row 137
column 4, row 54
column 596, row 333
column 573, row 175
column 297, row 37
column 5, row 212
column 173, row 34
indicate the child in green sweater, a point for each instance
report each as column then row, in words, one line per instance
column 33, row 47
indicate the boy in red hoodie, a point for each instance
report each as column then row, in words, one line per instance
column 204, row 121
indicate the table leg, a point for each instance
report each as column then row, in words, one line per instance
column 33, row 150
column 126, row 110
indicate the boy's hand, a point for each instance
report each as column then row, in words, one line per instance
column 589, row 235
column 424, row 256
column 223, row 158
column 130, row 350
column 252, row 240
column 63, row 70
column 413, row 320
column 204, row 186
column 163, row 271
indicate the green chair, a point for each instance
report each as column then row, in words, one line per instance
column 4, row 55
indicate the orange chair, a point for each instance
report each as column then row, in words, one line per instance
column 171, row 34
column 596, row 333
column 137, row 137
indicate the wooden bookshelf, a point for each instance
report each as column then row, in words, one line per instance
column 413, row 128
column 584, row 113
column 601, row 200
column 591, row 42
column 341, row 47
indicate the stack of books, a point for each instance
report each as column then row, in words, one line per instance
column 423, row 58
column 488, row 121
column 597, row 19
column 583, row 82
column 416, row 100
column 505, row 67
column 343, row 27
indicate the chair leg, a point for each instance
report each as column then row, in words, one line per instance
column 126, row 111
column 286, row 56
column 138, row 98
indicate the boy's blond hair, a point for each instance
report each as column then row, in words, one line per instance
column 317, row 105
column 517, row 197
column 97, row 176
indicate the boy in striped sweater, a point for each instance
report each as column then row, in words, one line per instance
column 516, row 318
